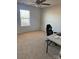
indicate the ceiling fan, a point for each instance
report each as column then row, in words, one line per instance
column 41, row 2
column 38, row 3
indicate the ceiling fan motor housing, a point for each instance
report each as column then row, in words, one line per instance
column 40, row 1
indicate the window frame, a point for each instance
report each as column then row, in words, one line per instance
column 25, row 18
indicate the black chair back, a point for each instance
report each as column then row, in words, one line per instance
column 49, row 30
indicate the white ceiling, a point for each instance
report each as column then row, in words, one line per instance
column 32, row 2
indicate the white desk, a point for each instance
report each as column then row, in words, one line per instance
column 53, row 39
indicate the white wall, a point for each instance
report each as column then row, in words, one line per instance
column 51, row 15
column 34, row 18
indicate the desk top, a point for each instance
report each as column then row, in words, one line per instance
column 55, row 38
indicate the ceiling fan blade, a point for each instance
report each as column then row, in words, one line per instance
column 40, row 1
column 45, row 4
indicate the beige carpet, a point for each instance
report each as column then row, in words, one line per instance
column 32, row 45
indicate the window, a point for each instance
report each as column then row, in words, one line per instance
column 25, row 17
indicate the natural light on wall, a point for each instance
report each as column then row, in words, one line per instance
column 25, row 17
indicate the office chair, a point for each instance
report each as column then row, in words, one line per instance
column 49, row 30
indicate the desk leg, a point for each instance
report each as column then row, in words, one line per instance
column 47, row 46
